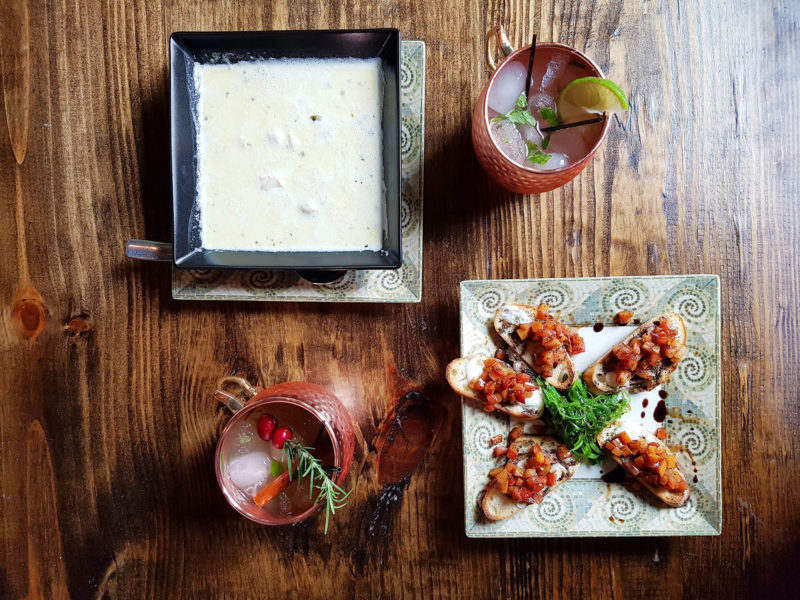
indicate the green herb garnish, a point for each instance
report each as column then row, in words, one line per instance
column 580, row 415
column 309, row 466
column 546, row 142
column 519, row 115
column 549, row 115
column 535, row 155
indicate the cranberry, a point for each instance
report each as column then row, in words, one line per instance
column 280, row 436
column 265, row 426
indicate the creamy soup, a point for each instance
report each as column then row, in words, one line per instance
column 290, row 155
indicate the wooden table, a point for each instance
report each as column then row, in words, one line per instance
column 107, row 427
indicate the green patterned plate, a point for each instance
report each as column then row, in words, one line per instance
column 401, row 285
column 586, row 505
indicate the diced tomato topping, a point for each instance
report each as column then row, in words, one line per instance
column 500, row 354
column 515, row 433
column 501, row 384
column 512, row 454
column 549, row 341
column 562, row 452
column 495, row 440
column 650, row 461
column 527, row 484
column 623, row 317
column 641, row 354
column 499, row 451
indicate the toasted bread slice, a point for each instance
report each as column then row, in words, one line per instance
column 637, row 431
column 497, row 506
column 463, row 370
column 507, row 319
column 601, row 381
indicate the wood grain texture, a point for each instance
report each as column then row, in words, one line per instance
column 107, row 434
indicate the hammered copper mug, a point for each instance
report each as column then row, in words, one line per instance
column 511, row 175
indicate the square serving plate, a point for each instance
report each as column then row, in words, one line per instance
column 585, row 505
column 189, row 48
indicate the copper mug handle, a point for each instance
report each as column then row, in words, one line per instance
column 496, row 38
column 229, row 400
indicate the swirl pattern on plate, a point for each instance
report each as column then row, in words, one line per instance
column 625, row 295
column 559, row 297
column 556, row 510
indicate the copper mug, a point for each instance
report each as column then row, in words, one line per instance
column 319, row 403
column 513, row 176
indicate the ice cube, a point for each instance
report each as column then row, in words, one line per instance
column 531, row 134
column 284, row 504
column 537, row 102
column 249, row 472
column 507, row 86
column 556, row 161
column 554, row 69
column 508, row 138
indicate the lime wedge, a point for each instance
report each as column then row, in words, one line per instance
column 275, row 468
column 587, row 96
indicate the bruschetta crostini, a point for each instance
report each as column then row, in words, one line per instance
column 543, row 342
column 643, row 360
column 496, row 385
column 536, row 466
column 646, row 457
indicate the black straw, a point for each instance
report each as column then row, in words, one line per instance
column 528, row 81
column 575, row 124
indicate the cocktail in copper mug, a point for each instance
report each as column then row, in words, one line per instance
column 508, row 173
column 243, row 459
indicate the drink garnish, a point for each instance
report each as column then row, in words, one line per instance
column 272, row 489
column 309, row 466
column 266, row 426
column 519, row 115
column 535, row 155
column 275, row 468
column 588, row 96
column 280, row 436
column 549, row 115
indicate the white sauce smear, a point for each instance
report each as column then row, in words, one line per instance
column 290, row 155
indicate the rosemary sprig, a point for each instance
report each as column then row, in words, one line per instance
column 306, row 465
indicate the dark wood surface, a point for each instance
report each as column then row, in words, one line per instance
column 107, row 427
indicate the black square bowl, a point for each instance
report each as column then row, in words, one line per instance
column 189, row 48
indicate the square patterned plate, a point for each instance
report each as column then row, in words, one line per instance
column 586, row 505
column 401, row 285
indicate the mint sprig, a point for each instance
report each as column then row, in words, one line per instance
column 535, row 155
column 519, row 115
column 549, row 115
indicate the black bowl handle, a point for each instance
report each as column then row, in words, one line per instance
column 147, row 250
column 319, row 277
